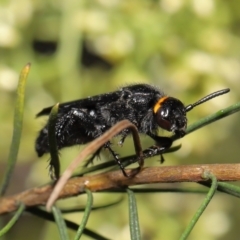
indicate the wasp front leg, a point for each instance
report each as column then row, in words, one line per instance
column 162, row 144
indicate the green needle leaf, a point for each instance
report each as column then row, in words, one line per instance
column 226, row 188
column 203, row 206
column 17, row 128
column 133, row 216
column 71, row 225
column 13, row 220
column 212, row 118
column 54, row 159
column 62, row 228
column 86, row 214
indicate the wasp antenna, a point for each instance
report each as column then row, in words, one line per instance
column 205, row 99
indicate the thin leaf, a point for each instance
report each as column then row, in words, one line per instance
column 226, row 188
column 14, row 219
column 54, row 159
column 229, row 188
column 62, row 228
column 203, row 206
column 86, row 214
column 212, row 118
column 81, row 209
column 133, row 216
column 71, row 225
column 157, row 190
column 17, row 128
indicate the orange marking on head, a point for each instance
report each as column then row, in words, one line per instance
column 159, row 103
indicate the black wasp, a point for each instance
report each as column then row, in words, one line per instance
column 81, row 121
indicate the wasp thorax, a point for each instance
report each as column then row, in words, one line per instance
column 171, row 116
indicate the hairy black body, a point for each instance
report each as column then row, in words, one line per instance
column 148, row 108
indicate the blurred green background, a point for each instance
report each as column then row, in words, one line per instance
column 85, row 47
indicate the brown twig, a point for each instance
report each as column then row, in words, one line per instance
column 112, row 180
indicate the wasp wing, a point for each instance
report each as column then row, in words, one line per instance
column 87, row 103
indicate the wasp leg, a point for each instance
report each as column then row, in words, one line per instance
column 124, row 134
column 162, row 144
column 154, row 151
column 113, row 153
column 116, row 158
column 74, row 127
column 90, row 160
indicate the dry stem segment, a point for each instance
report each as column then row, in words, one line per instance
column 112, row 180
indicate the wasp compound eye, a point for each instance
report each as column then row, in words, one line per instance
column 170, row 114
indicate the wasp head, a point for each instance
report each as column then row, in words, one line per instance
column 170, row 115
